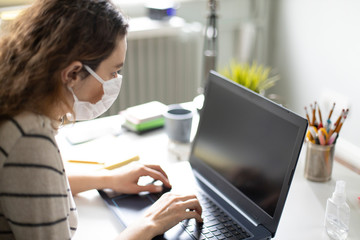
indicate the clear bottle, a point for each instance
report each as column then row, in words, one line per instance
column 337, row 216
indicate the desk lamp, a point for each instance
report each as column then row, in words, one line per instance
column 210, row 51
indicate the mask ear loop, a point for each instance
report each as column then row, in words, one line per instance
column 94, row 74
column 72, row 91
column 70, row 116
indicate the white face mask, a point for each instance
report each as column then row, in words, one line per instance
column 86, row 110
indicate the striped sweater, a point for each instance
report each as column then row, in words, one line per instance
column 35, row 198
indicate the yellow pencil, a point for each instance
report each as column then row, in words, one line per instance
column 121, row 163
column 336, row 125
column 307, row 116
column 331, row 111
column 320, row 117
column 109, row 166
column 85, row 161
column 313, row 109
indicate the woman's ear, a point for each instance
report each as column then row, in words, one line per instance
column 70, row 75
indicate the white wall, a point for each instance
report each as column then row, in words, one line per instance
column 316, row 45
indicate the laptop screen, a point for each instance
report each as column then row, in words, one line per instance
column 249, row 142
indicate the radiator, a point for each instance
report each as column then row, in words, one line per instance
column 163, row 63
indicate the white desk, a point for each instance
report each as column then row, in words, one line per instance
column 304, row 210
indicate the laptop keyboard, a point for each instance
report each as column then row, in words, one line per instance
column 217, row 224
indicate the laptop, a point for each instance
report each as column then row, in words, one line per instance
column 242, row 162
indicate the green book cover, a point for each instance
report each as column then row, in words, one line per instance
column 144, row 126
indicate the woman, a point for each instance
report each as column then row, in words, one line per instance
column 63, row 57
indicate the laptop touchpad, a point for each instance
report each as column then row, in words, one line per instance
column 132, row 206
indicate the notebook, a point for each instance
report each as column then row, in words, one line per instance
column 242, row 161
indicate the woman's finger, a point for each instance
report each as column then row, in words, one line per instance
column 193, row 214
column 186, row 197
column 157, row 168
column 193, row 205
column 152, row 188
column 184, row 203
column 155, row 174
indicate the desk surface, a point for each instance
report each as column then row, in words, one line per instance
column 302, row 217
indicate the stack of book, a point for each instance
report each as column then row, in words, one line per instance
column 144, row 117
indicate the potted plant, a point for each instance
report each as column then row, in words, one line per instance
column 255, row 77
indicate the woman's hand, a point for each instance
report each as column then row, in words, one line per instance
column 171, row 209
column 125, row 179
column 165, row 213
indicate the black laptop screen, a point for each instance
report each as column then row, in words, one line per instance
column 246, row 142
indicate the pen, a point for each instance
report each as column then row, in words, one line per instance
column 321, row 138
column 328, row 124
column 324, row 133
column 313, row 132
column 320, row 131
column 309, row 137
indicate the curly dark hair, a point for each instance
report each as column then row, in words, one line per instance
column 45, row 39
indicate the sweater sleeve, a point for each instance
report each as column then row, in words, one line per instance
column 35, row 198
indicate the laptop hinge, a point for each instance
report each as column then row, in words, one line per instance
column 272, row 234
column 210, row 186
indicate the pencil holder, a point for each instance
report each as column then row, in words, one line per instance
column 319, row 162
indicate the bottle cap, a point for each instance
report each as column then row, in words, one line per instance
column 339, row 194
